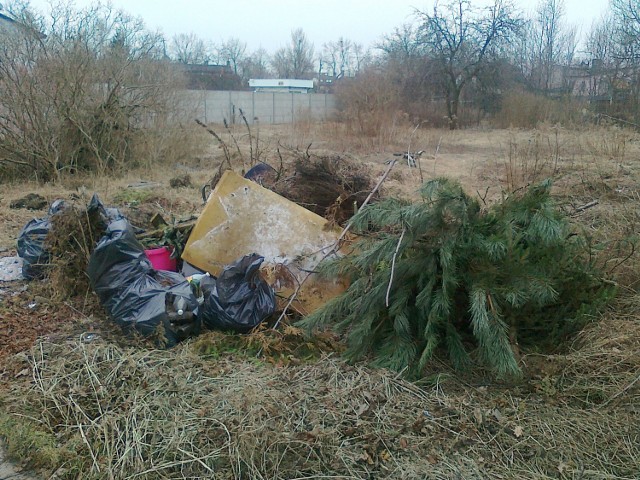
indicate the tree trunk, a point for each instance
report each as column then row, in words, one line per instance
column 453, row 99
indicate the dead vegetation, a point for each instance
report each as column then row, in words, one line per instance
column 123, row 412
column 270, row 406
column 73, row 236
column 331, row 186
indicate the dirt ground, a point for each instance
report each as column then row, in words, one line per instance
column 575, row 415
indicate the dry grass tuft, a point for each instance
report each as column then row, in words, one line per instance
column 604, row 368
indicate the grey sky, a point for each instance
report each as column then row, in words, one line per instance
column 268, row 24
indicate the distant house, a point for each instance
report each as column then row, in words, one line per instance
column 211, row 77
column 285, row 85
column 10, row 25
column 326, row 82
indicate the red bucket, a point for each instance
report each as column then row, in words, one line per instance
column 160, row 259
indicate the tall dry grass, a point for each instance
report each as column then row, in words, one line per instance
column 521, row 109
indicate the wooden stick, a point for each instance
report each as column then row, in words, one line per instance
column 584, row 207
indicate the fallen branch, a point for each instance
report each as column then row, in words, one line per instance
column 584, row 207
column 393, row 265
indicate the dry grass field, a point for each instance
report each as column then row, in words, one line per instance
column 275, row 405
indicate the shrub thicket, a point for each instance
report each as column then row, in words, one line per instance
column 444, row 272
column 80, row 91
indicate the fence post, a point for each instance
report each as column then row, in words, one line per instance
column 204, row 94
column 326, row 108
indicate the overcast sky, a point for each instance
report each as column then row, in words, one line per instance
column 268, row 23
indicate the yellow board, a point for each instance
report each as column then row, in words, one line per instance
column 241, row 218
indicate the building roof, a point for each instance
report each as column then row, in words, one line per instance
column 6, row 16
column 280, row 83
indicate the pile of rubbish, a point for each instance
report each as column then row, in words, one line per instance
column 250, row 251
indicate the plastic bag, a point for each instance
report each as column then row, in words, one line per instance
column 31, row 241
column 239, row 299
column 99, row 213
column 262, row 173
column 137, row 296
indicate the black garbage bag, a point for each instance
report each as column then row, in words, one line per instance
column 31, row 241
column 99, row 213
column 137, row 296
column 31, row 247
column 262, row 173
column 239, row 299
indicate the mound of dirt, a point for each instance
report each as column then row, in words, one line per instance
column 31, row 201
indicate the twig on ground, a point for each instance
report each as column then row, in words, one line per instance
column 584, row 207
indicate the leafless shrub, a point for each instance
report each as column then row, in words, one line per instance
column 520, row 109
column 79, row 90
column 370, row 107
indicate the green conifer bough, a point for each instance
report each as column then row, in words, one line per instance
column 468, row 279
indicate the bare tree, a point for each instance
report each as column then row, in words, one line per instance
column 296, row 59
column 405, row 42
column 361, row 57
column 404, row 60
column 606, row 62
column 626, row 14
column 233, row 51
column 460, row 39
column 280, row 63
column 189, row 48
column 256, row 65
column 339, row 57
column 553, row 44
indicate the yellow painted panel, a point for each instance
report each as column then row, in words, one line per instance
column 241, row 217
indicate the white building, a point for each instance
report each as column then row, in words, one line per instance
column 281, row 85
